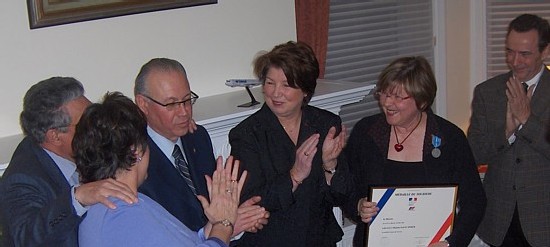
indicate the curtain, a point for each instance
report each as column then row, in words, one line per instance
column 312, row 27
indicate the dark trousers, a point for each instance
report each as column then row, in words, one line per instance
column 514, row 236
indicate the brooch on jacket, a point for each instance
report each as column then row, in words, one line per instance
column 436, row 142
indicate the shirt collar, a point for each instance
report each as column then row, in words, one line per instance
column 165, row 145
column 535, row 78
column 66, row 166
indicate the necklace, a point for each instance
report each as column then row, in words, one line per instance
column 292, row 126
column 399, row 146
column 289, row 130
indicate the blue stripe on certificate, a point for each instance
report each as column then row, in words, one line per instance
column 385, row 197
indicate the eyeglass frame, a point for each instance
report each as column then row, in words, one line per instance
column 173, row 105
column 397, row 98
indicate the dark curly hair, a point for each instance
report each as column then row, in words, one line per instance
column 107, row 136
column 298, row 62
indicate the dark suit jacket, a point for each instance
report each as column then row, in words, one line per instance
column 367, row 150
column 167, row 187
column 518, row 173
column 302, row 218
column 35, row 201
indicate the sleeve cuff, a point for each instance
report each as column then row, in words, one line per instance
column 218, row 241
column 203, row 238
column 80, row 210
column 238, row 236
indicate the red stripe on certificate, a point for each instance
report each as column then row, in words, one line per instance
column 443, row 229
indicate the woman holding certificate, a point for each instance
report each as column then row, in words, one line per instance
column 408, row 145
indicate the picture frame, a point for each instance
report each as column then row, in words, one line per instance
column 45, row 13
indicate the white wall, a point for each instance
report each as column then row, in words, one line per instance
column 214, row 43
column 457, row 55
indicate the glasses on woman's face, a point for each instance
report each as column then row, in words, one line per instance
column 174, row 105
column 396, row 98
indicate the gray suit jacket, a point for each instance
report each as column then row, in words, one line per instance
column 518, row 173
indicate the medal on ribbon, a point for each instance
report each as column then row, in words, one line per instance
column 436, row 142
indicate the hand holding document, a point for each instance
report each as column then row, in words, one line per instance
column 412, row 216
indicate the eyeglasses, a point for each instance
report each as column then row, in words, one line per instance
column 396, row 98
column 173, row 105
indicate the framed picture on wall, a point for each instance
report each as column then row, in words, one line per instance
column 44, row 13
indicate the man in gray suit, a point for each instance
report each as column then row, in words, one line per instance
column 508, row 128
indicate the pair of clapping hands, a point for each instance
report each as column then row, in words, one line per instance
column 224, row 189
column 250, row 216
column 223, row 210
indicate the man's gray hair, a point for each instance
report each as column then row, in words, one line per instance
column 44, row 106
column 161, row 64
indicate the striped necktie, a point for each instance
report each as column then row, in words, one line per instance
column 183, row 167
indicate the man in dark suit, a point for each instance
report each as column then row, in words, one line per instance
column 509, row 124
column 41, row 202
column 180, row 156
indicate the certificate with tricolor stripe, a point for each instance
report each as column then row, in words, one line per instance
column 412, row 216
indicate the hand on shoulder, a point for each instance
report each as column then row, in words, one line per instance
column 97, row 192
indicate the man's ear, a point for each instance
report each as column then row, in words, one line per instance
column 141, row 103
column 52, row 137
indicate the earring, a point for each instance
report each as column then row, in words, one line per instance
column 138, row 159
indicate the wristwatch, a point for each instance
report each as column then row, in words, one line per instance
column 224, row 222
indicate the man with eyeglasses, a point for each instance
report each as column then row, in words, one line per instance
column 180, row 152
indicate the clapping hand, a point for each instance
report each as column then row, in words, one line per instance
column 332, row 147
column 224, row 188
column 519, row 102
column 250, row 216
column 304, row 157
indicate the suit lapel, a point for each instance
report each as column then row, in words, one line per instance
column 308, row 126
column 279, row 147
column 497, row 106
column 380, row 132
column 191, row 154
column 165, row 168
column 51, row 169
column 540, row 100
